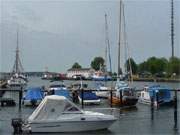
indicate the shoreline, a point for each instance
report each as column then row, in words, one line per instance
column 135, row 79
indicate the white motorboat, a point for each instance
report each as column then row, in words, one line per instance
column 58, row 114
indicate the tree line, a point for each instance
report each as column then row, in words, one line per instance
column 156, row 66
column 153, row 65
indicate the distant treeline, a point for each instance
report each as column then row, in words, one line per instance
column 156, row 66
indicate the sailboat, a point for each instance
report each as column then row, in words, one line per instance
column 124, row 95
column 17, row 78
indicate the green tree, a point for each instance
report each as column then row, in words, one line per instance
column 76, row 65
column 133, row 64
column 142, row 67
column 153, row 65
column 174, row 65
column 97, row 63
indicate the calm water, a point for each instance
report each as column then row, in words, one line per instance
column 132, row 121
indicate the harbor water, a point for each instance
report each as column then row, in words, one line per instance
column 131, row 121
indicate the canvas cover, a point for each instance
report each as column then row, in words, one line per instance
column 62, row 92
column 163, row 92
column 52, row 107
column 88, row 95
column 34, row 94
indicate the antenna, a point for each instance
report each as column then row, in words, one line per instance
column 172, row 27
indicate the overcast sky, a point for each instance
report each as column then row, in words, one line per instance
column 56, row 33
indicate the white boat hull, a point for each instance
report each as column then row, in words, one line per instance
column 102, row 94
column 29, row 103
column 98, row 101
column 70, row 126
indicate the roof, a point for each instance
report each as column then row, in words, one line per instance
column 80, row 69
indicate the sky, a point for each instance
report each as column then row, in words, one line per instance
column 57, row 33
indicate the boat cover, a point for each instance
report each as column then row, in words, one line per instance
column 88, row 95
column 51, row 108
column 34, row 94
column 163, row 92
column 62, row 92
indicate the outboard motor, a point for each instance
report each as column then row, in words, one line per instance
column 17, row 125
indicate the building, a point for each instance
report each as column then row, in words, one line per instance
column 85, row 72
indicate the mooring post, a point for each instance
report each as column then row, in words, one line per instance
column 111, row 97
column 152, row 108
column 157, row 99
column 121, row 101
column 82, row 97
column 20, row 97
column 175, row 109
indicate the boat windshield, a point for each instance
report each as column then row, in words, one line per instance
column 55, row 86
column 71, row 108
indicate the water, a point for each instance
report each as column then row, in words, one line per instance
column 130, row 121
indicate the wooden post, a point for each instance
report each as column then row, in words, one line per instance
column 175, row 109
column 111, row 97
column 157, row 99
column 121, row 101
column 82, row 98
column 152, row 108
column 20, row 97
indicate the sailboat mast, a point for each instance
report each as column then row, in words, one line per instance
column 108, row 44
column 17, row 68
column 172, row 27
column 105, row 62
column 17, row 53
column 119, row 43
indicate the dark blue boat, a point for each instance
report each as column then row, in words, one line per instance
column 89, row 98
column 33, row 96
column 62, row 92
column 159, row 95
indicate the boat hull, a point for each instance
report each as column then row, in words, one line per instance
column 125, row 102
column 161, row 103
column 31, row 102
column 88, row 102
column 70, row 126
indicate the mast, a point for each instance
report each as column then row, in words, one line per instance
column 126, row 46
column 17, row 68
column 172, row 27
column 119, row 43
column 108, row 44
column 105, row 62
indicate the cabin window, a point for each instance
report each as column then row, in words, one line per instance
column 142, row 94
column 70, row 108
column 73, row 109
